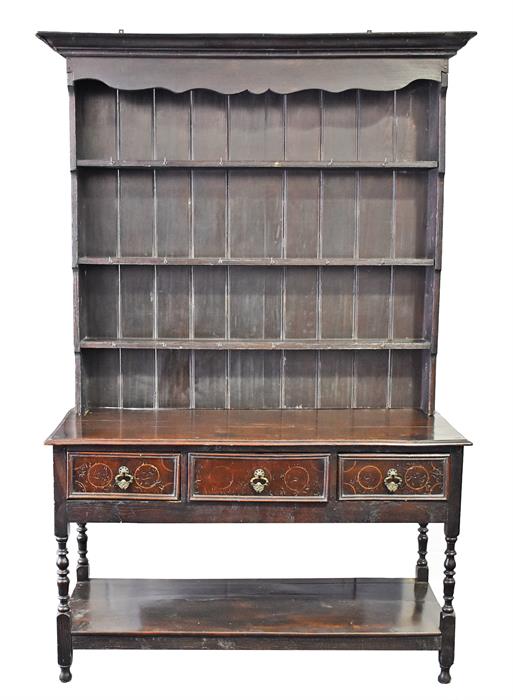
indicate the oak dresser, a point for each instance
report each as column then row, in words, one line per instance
column 257, row 224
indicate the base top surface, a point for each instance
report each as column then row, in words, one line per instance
column 255, row 427
column 330, row 607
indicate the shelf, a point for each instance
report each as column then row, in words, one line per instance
column 260, row 262
column 248, row 614
column 257, row 344
column 278, row 164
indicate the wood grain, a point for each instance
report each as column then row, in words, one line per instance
column 329, row 608
column 93, row 475
column 255, row 427
column 284, row 478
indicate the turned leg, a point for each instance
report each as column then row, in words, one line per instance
column 83, row 562
column 64, row 648
column 422, row 570
column 447, row 616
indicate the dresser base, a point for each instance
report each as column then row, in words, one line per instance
column 369, row 613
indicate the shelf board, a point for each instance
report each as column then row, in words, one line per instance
column 256, row 344
column 272, row 613
column 277, row 164
column 260, row 262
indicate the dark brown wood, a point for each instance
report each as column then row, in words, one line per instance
column 447, row 615
column 290, row 427
column 261, row 262
column 256, row 249
column 422, row 570
column 83, row 561
column 240, row 609
column 282, row 75
column 114, row 474
column 254, row 477
column 407, row 476
column 267, row 207
column 249, row 164
column 364, row 43
column 64, row 645
column 367, row 643
column 389, row 511
column 221, row 343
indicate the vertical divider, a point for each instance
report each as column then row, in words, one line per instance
column 389, row 379
column 73, row 168
column 283, row 358
column 155, row 251
column 120, row 383
column 356, row 249
column 191, row 180
column 318, row 379
column 435, row 194
column 319, row 255
column 390, row 333
column 154, row 156
column 77, row 312
column 118, row 244
column 192, row 378
column 192, row 365
column 192, row 354
column 394, row 127
column 282, row 378
column 227, row 246
column 79, row 389
column 283, row 255
column 392, row 254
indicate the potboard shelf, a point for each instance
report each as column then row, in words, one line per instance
column 258, row 262
column 257, row 344
column 289, row 613
column 266, row 164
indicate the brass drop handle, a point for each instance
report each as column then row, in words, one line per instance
column 259, row 481
column 123, row 478
column 393, row 480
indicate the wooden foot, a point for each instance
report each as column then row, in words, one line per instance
column 83, row 562
column 64, row 646
column 422, row 570
column 447, row 616
column 444, row 676
column 65, row 674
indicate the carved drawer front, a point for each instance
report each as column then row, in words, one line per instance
column 393, row 476
column 123, row 475
column 228, row 477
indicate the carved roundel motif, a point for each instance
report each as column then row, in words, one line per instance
column 416, row 477
column 219, row 478
column 369, row 477
column 296, row 479
column 100, row 475
column 146, row 476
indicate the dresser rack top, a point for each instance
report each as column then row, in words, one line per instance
column 362, row 43
column 257, row 219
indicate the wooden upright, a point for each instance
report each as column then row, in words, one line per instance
column 257, row 225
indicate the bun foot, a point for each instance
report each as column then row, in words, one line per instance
column 445, row 676
column 65, row 674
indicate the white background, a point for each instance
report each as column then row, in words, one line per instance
column 474, row 384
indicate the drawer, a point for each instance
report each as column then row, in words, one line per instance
column 393, row 476
column 123, row 475
column 257, row 477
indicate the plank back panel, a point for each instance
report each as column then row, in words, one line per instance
column 247, row 379
column 96, row 120
column 210, row 252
